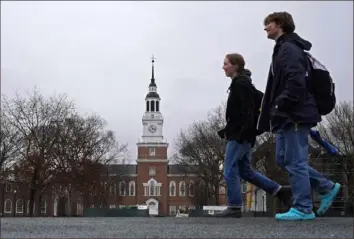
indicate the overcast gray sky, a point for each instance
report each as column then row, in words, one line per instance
column 99, row 53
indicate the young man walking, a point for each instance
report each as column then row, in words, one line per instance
column 240, row 132
column 289, row 110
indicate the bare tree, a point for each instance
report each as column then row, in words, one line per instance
column 9, row 152
column 33, row 117
column 264, row 156
column 338, row 129
column 200, row 149
column 85, row 148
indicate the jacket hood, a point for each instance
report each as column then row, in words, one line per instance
column 244, row 74
column 296, row 39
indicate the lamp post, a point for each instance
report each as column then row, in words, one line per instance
column 15, row 206
column 263, row 204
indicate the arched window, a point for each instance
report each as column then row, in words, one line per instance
column 43, row 206
column 172, row 188
column 147, row 106
column 191, row 189
column 152, row 105
column 152, row 188
column 157, row 106
column 19, row 206
column 112, row 191
column 122, row 188
column 182, row 188
column 131, row 188
column 8, row 206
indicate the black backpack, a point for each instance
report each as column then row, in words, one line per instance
column 321, row 85
column 258, row 96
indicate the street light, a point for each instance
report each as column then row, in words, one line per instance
column 263, row 203
column 15, row 206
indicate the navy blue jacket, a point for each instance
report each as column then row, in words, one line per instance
column 287, row 98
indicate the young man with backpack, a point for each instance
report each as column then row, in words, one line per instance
column 240, row 132
column 299, row 90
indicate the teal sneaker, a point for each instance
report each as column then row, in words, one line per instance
column 294, row 215
column 327, row 200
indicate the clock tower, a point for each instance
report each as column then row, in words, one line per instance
column 152, row 162
column 152, row 119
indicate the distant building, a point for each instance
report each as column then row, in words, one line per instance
column 152, row 181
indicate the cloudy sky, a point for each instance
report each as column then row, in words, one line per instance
column 99, row 53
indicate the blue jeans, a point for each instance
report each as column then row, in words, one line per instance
column 292, row 156
column 237, row 165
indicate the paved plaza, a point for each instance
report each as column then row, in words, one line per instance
column 174, row 228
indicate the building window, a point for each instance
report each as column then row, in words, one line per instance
column 244, row 187
column 43, row 207
column 182, row 188
column 172, row 188
column 28, row 206
column 157, row 106
column 8, row 188
column 8, row 206
column 152, row 151
column 131, row 188
column 112, row 191
column 173, row 210
column 152, row 188
column 147, row 106
column 152, row 106
column 19, row 206
column 122, row 188
column 79, row 209
column 191, row 189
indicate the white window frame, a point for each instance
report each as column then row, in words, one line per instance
column 21, row 209
column 5, row 208
column 120, row 188
column 132, row 193
column 173, row 194
column 180, row 193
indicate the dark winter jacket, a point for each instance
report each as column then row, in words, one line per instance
column 240, row 124
column 287, row 99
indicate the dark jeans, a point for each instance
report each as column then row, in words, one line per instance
column 292, row 155
column 237, row 165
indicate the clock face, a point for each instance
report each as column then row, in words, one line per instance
column 152, row 128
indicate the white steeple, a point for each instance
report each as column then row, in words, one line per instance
column 152, row 119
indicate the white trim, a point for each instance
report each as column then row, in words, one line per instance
column 180, row 193
column 129, row 191
column 18, row 211
column 175, row 189
column 152, row 200
column 121, row 175
column 182, row 175
column 45, row 207
column 120, row 187
column 152, row 160
column 7, row 200
column 158, row 144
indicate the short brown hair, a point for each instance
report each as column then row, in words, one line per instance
column 283, row 19
column 236, row 59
